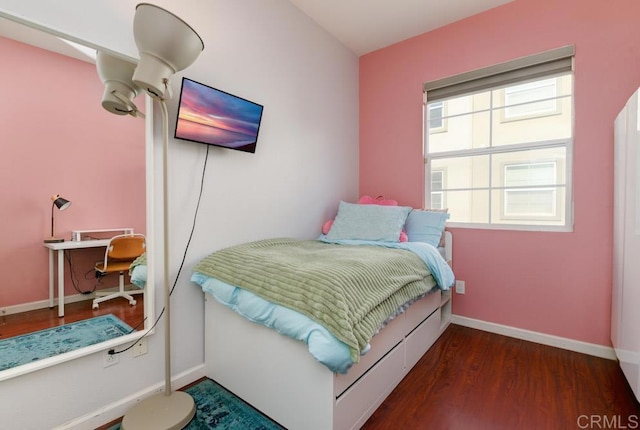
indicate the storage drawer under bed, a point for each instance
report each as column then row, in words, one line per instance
column 421, row 339
column 358, row 403
column 364, row 395
column 393, row 333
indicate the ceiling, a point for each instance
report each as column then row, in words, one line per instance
column 34, row 37
column 362, row 26
column 367, row 25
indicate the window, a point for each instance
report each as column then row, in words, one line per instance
column 536, row 98
column 436, row 117
column 504, row 159
column 528, row 190
column 437, row 185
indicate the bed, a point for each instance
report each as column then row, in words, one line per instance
column 280, row 376
column 138, row 271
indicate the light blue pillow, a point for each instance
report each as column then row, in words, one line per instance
column 426, row 226
column 368, row 222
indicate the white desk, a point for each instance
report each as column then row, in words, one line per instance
column 60, row 247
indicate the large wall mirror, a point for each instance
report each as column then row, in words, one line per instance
column 56, row 139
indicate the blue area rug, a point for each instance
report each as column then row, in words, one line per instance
column 217, row 408
column 57, row 340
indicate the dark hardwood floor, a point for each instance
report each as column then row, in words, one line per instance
column 27, row 322
column 472, row 379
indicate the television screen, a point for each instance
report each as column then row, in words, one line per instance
column 208, row 115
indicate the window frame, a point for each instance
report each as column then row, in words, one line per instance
column 541, row 66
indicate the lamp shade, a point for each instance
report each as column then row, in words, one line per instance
column 119, row 89
column 166, row 44
column 60, row 203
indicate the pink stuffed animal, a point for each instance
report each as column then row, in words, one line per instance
column 368, row 200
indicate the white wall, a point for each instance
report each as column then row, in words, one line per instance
column 306, row 161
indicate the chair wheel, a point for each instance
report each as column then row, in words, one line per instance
column 95, row 306
column 132, row 302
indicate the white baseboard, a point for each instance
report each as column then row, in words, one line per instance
column 532, row 336
column 117, row 409
column 41, row 304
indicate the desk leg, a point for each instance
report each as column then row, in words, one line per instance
column 60, row 283
column 51, row 278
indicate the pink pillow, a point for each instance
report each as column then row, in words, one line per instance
column 368, row 200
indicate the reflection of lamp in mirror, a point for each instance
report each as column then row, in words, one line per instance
column 166, row 45
column 61, row 204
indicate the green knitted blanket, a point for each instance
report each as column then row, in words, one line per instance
column 140, row 261
column 349, row 289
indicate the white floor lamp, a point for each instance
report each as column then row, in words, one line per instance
column 167, row 45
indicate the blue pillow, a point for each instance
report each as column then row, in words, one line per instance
column 426, row 226
column 368, row 222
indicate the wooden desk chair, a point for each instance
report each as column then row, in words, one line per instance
column 120, row 253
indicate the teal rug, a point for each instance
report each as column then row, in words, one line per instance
column 46, row 343
column 217, row 408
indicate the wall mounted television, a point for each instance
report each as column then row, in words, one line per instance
column 209, row 115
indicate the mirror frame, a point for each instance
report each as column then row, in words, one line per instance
column 149, row 296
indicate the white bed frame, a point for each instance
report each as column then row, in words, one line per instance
column 278, row 375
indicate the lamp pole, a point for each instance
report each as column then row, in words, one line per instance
column 171, row 409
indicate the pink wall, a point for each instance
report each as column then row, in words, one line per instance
column 554, row 283
column 55, row 138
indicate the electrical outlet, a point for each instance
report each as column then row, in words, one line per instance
column 110, row 359
column 460, row 287
column 140, row 348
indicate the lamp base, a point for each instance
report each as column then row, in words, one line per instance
column 173, row 411
column 54, row 240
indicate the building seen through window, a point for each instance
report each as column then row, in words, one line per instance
column 502, row 156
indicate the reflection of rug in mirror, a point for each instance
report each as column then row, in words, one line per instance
column 217, row 408
column 24, row 349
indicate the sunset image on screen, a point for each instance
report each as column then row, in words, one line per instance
column 215, row 117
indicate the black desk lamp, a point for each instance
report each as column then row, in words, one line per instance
column 61, row 204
